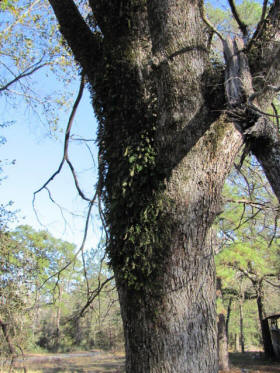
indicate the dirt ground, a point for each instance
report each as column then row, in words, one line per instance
column 252, row 362
column 90, row 362
column 100, row 362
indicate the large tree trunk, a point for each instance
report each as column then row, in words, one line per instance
column 176, row 308
column 164, row 168
column 165, row 149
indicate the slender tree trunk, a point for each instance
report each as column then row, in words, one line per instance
column 236, row 343
column 7, row 337
column 222, row 344
column 228, row 315
column 222, row 336
column 58, row 317
column 241, row 320
column 266, row 336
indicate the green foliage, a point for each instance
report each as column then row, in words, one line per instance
column 28, row 258
column 249, row 11
column 134, row 200
column 8, row 4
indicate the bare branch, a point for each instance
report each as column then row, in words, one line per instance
column 208, row 23
column 94, row 294
column 250, row 275
column 243, row 27
column 66, row 146
column 79, row 250
column 29, row 71
column 258, row 205
column 260, row 25
column 90, row 200
column 272, row 283
column 274, row 229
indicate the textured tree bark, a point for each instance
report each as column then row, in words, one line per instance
column 166, row 146
column 222, row 344
column 177, row 317
column 266, row 337
column 264, row 140
column 222, row 334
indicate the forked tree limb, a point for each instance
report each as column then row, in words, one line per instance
column 65, row 156
column 260, row 25
column 85, row 45
column 208, row 23
column 242, row 26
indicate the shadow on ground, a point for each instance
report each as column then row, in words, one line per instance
column 100, row 362
column 252, row 362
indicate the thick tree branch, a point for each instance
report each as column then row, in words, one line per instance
column 238, row 81
column 260, row 25
column 241, row 24
column 264, row 140
column 264, row 55
column 208, row 23
column 236, row 294
column 85, row 45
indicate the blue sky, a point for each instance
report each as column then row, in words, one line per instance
column 37, row 156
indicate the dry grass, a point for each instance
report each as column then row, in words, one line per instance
column 97, row 362
column 100, row 362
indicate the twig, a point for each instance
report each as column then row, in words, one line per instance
column 66, row 144
column 81, row 247
column 24, row 74
column 258, row 205
column 274, row 230
column 95, row 293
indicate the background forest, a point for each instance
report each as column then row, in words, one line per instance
column 54, row 300
column 55, row 297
